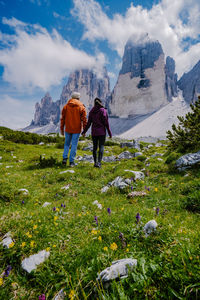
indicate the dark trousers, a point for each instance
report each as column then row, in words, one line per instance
column 98, row 141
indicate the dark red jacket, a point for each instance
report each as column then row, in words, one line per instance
column 98, row 117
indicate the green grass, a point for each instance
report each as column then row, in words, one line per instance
column 168, row 261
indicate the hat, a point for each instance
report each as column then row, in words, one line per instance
column 76, row 95
column 98, row 101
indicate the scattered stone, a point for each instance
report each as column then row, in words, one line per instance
column 24, row 192
column 67, row 171
column 150, row 227
column 29, row 264
column 118, row 182
column 41, row 143
column 105, row 189
column 188, row 160
column 7, row 240
column 60, row 295
column 66, row 187
column 133, row 144
column 46, row 204
column 0, row 157
column 156, row 155
column 138, row 175
column 99, row 205
column 118, row 269
column 126, row 155
column 109, row 158
column 138, row 154
column 7, row 167
column 136, row 194
column 150, row 146
column 88, row 148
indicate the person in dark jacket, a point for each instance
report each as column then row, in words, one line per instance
column 98, row 117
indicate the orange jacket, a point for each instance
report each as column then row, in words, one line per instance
column 73, row 117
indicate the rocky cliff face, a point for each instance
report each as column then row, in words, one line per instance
column 190, row 84
column 83, row 81
column 46, row 111
column 145, row 83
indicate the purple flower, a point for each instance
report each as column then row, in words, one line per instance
column 131, row 188
column 157, row 211
column 54, row 208
column 23, row 202
column 7, row 271
column 96, row 220
column 42, row 297
column 147, row 188
column 138, row 218
column 62, row 205
column 109, row 210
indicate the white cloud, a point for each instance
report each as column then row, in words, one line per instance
column 36, row 58
column 15, row 113
column 171, row 22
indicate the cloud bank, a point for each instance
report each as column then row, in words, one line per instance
column 33, row 57
column 174, row 23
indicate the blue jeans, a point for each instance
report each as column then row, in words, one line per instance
column 70, row 138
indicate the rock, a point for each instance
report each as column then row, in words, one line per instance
column 66, row 187
column 138, row 175
column 88, row 148
column 125, row 155
column 0, row 157
column 150, row 227
column 29, row 264
column 136, row 194
column 138, row 154
column 60, row 295
column 41, row 143
column 188, row 160
column 24, row 192
column 7, row 240
column 159, row 159
column 67, row 171
column 170, row 79
column 118, row 269
column 105, row 189
column 189, row 83
column 99, row 205
column 133, row 144
column 109, row 158
column 46, row 204
column 156, row 155
column 119, row 182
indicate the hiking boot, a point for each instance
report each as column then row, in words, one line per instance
column 99, row 165
column 64, row 162
column 72, row 164
column 96, row 165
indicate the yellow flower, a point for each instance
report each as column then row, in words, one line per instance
column 113, row 246
column 79, row 215
column 56, row 224
column 105, row 248
column 11, row 245
column 94, row 231
column 48, row 249
column 128, row 245
column 28, row 235
column 14, row 285
column 122, row 208
column 54, row 246
column 55, row 218
column 71, row 294
column 57, row 209
column 1, row 281
column 127, row 249
column 156, row 189
column 32, row 244
column 34, row 227
column 100, row 238
column 23, row 244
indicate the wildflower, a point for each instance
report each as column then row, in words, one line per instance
column 105, row 248
column 56, row 224
column 14, row 285
column 122, row 208
column 64, row 206
column 11, row 245
column 55, row 218
column 7, row 271
column 147, row 188
column 127, row 249
column 157, row 211
column 32, row 244
column 23, row 202
column 94, row 231
column 42, row 297
column 79, row 215
column 54, row 208
column 54, row 246
column 61, row 205
column 23, row 244
column 48, row 249
column 1, row 281
column 34, row 227
column 100, row 238
column 131, row 188
column 109, row 210
column 71, row 294
column 113, row 246
column 156, row 189
column 96, row 220
column 138, row 218
column 57, row 209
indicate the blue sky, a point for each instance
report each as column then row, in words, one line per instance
column 42, row 41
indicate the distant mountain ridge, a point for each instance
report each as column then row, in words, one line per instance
column 146, row 83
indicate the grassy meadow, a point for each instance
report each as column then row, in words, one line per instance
column 83, row 240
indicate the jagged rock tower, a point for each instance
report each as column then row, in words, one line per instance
column 143, row 81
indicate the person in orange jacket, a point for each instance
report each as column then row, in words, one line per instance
column 73, row 119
